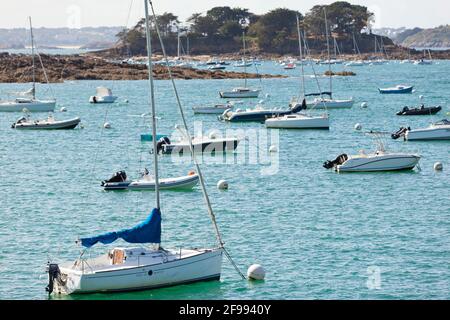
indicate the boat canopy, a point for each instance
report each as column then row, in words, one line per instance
column 318, row 94
column 148, row 231
column 103, row 91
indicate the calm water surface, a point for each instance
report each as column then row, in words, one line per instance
column 320, row 235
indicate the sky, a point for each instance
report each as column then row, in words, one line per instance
column 88, row 13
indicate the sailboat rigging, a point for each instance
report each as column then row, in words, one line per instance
column 126, row 269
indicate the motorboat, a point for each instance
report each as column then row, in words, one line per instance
column 117, row 182
column 27, row 100
column 216, row 109
column 25, row 123
column 259, row 113
column 299, row 121
column 209, row 145
column 217, row 67
column 380, row 160
column 397, row 89
column 147, row 182
column 146, row 265
column 423, row 62
column 437, row 131
column 421, row 111
column 103, row 95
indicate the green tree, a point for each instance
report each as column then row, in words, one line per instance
column 230, row 29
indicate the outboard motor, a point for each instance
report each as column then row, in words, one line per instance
column 53, row 274
column 299, row 107
column 119, row 176
column 401, row 132
column 336, row 162
column 161, row 142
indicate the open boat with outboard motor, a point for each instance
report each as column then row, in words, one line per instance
column 380, row 160
column 437, row 131
column 26, row 123
column 103, row 95
column 421, row 111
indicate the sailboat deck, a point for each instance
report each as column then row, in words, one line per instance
column 122, row 259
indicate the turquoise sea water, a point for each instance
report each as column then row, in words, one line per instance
column 320, row 235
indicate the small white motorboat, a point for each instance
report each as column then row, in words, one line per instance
column 25, row 123
column 299, row 121
column 380, row 160
column 216, row 109
column 437, row 131
column 242, row 92
column 103, row 95
column 147, row 182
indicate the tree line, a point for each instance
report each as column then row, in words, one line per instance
column 220, row 30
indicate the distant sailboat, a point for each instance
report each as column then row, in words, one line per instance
column 329, row 102
column 138, row 268
column 29, row 101
column 242, row 92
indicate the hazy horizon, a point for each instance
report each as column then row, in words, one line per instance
column 113, row 13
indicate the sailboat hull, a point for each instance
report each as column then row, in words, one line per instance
column 32, row 106
column 330, row 104
column 206, row 265
column 240, row 94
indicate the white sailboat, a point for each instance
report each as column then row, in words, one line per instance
column 138, row 268
column 329, row 103
column 299, row 120
column 356, row 62
column 29, row 101
column 241, row 92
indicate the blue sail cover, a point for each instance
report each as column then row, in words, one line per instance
column 148, row 231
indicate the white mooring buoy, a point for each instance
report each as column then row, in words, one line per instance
column 364, row 105
column 63, row 109
column 256, row 272
column 358, row 127
column 222, row 185
column 107, row 125
column 273, row 149
column 438, row 166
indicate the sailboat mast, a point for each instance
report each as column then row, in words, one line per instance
column 301, row 56
column 152, row 102
column 32, row 57
column 178, row 50
column 328, row 49
column 243, row 60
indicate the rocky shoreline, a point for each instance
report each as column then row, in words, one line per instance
column 16, row 68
